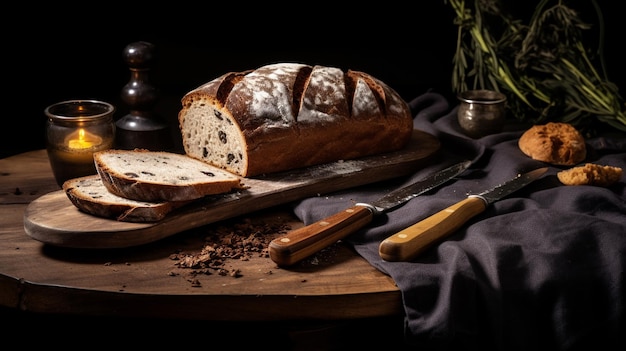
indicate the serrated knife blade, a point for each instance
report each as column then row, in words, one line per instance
column 408, row 243
column 304, row 242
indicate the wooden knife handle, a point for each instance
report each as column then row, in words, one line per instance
column 406, row 244
column 303, row 242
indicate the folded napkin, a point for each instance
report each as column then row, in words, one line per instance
column 540, row 269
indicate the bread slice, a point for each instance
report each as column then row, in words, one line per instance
column 90, row 195
column 155, row 176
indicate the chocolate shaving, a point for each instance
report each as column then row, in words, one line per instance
column 230, row 243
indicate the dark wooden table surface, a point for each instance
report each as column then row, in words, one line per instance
column 145, row 282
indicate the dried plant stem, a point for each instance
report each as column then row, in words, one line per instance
column 543, row 67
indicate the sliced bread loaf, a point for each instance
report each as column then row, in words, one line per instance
column 284, row 116
column 154, row 176
column 90, row 195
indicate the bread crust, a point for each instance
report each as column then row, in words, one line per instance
column 90, row 195
column 555, row 143
column 291, row 115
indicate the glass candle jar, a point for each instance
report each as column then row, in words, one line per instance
column 481, row 112
column 75, row 129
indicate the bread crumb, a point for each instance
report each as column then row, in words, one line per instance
column 590, row 174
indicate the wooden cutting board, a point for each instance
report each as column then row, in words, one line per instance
column 54, row 220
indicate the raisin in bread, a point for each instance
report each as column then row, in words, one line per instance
column 90, row 195
column 145, row 175
column 590, row 174
column 289, row 115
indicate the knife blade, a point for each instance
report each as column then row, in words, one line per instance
column 304, row 242
column 408, row 243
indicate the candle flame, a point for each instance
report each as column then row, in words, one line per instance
column 83, row 141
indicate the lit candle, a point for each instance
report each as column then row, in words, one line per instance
column 82, row 139
column 74, row 131
column 74, row 157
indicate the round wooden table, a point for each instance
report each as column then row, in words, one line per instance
column 144, row 283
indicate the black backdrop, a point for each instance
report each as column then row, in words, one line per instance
column 73, row 52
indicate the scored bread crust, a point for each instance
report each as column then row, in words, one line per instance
column 289, row 115
column 90, row 195
column 153, row 176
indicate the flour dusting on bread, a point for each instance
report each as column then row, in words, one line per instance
column 285, row 116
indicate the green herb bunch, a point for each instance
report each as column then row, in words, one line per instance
column 543, row 67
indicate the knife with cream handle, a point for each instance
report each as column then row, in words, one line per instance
column 304, row 242
column 408, row 243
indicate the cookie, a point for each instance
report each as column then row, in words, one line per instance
column 554, row 143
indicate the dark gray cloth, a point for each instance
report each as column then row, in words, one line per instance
column 543, row 268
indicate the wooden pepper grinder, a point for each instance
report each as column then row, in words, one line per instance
column 141, row 128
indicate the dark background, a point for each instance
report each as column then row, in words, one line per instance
column 77, row 53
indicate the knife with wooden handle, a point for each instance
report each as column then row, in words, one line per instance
column 306, row 241
column 408, row 243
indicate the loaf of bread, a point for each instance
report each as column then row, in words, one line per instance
column 590, row 174
column 90, row 195
column 555, row 143
column 156, row 176
column 289, row 115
